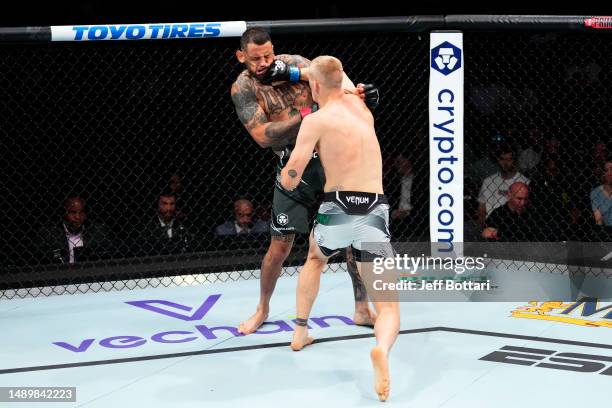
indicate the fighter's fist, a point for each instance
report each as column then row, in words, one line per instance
column 281, row 71
column 371, row 95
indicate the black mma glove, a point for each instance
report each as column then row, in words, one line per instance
column 372, row 96
column 281, row 71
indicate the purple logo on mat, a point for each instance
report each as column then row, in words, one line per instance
column 197, row 315
column 197, row 332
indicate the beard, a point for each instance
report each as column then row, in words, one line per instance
column 257, row 76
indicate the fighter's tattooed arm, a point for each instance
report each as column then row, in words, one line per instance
column 307, row 139
column 297, row 60
column 304, row 64
column 267, row 134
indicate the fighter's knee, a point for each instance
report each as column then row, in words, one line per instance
column 277, row 256
column 317, row 259
column 315, row 255
column 279, row 249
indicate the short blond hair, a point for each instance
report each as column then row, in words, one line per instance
column 327, row 70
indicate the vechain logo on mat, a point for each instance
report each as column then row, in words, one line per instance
column 166, row 309
column 446, row 58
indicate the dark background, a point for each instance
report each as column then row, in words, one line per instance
column 113, row 11
column 112, row 121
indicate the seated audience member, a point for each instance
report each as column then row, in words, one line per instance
column 176, row 185
column 406, row 176
column 399, row 182
column 243, row 222
column 494, row 189
column 599, row 157
column 601, row 197
column 75, row 238
column 164, row 233
column 513, row 221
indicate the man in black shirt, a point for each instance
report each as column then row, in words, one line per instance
column 512, row 222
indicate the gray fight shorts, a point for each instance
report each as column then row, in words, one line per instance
column 352, row 218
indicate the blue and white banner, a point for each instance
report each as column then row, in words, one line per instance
column 166, row 31
column 446, row 158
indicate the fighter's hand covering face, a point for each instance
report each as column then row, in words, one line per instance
column 280, row 71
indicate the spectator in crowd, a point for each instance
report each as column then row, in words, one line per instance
column 75, row 238
column 494, row 189
column 403, row 168
column 601, row 197
column 399, row 183
column 599, row 156
column 530, row 156
column 243, row 222
column 164, row 233
column 513, row 221
column 176, row 186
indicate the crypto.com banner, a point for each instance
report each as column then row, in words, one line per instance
column 446, row 159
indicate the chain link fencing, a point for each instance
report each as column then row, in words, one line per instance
column 118, row 124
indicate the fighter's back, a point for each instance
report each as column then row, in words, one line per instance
column 348, row 146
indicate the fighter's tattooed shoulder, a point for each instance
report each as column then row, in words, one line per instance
column 244, row 96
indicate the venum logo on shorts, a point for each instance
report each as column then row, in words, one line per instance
column 282, row 219
column 446, row 58
column 357, row 200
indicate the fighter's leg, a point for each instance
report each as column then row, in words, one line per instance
column 364, row 316
column 386, row 330
column 307, row 290
column 372, row 241
column 271, row 266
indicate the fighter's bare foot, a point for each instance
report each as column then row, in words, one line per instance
column 364, row 317
column 381, row 373
column 300, row 340
column 251, row 325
